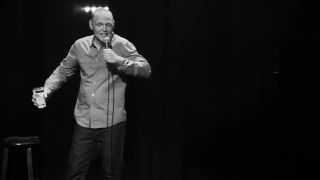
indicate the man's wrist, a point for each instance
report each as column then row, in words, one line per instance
column 47, row 91
column 122, row 61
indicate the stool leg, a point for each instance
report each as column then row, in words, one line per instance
column 4, row 163
column 36, row 168
column 29, row 163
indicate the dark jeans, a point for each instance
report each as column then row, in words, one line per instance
column 109, row 142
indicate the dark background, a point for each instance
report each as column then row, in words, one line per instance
column 233, row 94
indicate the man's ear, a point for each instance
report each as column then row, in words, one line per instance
column 113, row 26
column 90, row 25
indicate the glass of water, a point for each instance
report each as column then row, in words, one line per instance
column 39, row 95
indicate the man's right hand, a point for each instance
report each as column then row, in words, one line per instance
column 39, row 97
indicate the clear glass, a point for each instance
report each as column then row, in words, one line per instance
column 39, row 95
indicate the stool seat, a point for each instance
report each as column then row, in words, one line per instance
column 21, row 141
column 26, row 143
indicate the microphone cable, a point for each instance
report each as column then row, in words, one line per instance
column 108, row 46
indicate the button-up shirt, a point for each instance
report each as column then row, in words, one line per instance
column 101, row 97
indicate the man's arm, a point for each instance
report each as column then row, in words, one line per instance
column 66, row 69
column 130, row 62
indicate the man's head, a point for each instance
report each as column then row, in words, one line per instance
column 101, row 23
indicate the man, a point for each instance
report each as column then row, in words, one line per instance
column 103, row 58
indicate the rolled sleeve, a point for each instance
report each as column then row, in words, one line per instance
column 66, row 69
column 134, row 63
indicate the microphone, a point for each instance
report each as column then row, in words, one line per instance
column 107, row 41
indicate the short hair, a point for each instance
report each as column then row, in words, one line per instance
column 106, row 9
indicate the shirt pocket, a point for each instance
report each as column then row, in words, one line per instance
column 101, row 63
column 87, row 65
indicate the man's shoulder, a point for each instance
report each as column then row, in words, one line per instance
column 120, row 39
column 86, row 39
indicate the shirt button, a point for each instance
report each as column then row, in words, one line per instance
column 94, row 82
column 92, row 94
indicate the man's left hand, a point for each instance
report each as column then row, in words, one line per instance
column 111, row 57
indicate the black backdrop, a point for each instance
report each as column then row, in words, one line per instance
column 232, row 94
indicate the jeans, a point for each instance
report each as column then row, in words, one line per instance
column 86, row 142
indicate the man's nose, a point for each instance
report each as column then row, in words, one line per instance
column 105, row 28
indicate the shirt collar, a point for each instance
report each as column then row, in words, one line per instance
column 92, row 41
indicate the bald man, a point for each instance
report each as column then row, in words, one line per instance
column 103, row 58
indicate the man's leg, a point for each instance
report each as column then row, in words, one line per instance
column 111, row 147
column 82, row 150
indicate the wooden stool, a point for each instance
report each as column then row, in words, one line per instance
column 26, row 143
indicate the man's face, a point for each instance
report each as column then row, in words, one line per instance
column 101, row 25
